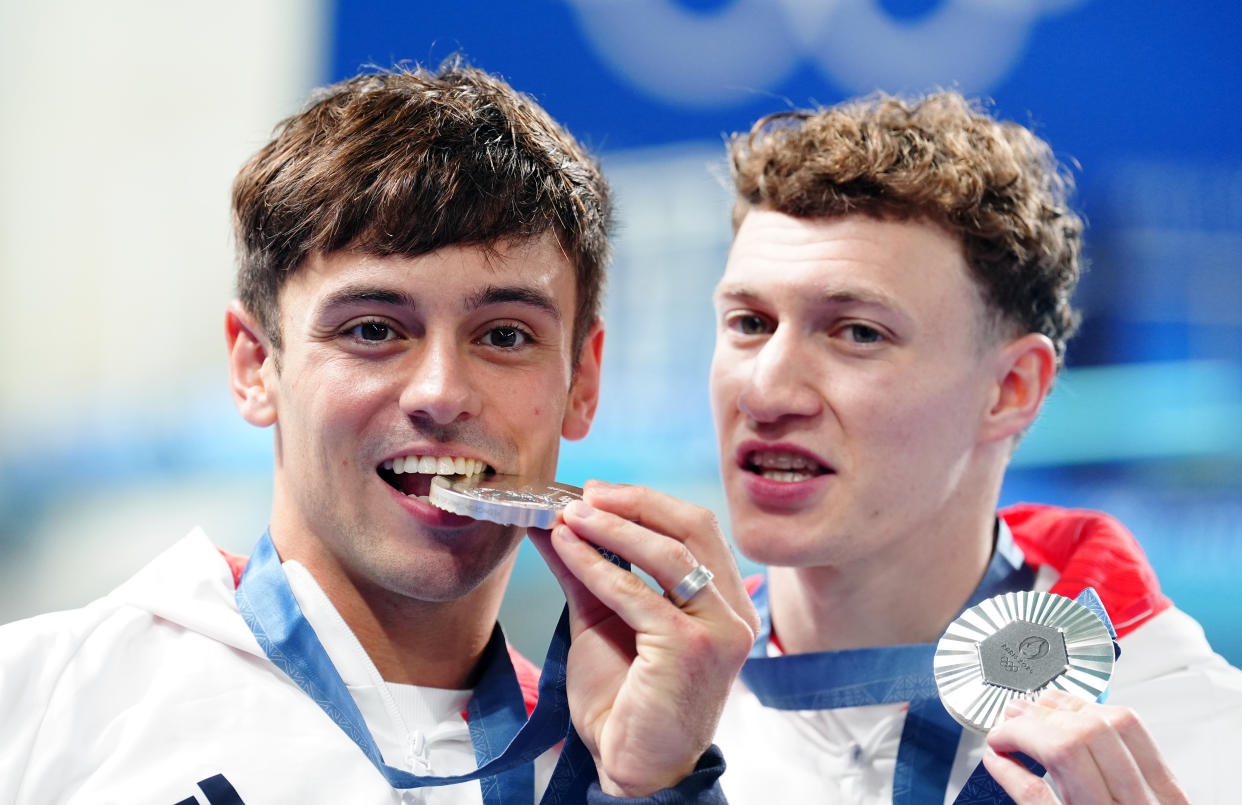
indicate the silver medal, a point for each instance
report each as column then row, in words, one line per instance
column 1015, row 646
column 504, row 499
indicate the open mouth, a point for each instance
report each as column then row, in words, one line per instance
column 411, row 475
column 783, row 465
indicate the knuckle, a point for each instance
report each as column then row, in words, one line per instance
column 626, row 585
column 699, row 642
column 1061, row 751
column 1094, row 729
column 1124, row 720
column 750, row 618
column 717, row 647
column 741, row 639
column 706, row 519
column 698, row 651
column 1033, row 790
column 678, row 555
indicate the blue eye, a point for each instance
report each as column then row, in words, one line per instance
column 862, row 334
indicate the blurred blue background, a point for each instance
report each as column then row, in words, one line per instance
column 125, row 125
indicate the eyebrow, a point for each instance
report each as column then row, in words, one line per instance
column 521, row 294
column 491, row 295
column 347, row 297
column 841, row 297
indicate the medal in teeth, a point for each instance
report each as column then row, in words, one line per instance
column 507, row 500
column 1015, row 646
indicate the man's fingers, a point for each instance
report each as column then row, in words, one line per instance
column 1093, row 752
column 1159, row 777
column 643, row 609
column 1038, row 732
column 665, row 559
column 1022, row 786
column 693, row 526
column 1119, row 729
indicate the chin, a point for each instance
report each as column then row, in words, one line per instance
column 786, row 542
column 429, row 568
column 768, row 545
column 436, row 581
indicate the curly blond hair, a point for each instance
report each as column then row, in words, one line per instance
column 994, row 184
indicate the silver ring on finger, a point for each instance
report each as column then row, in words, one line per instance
column 689, row 586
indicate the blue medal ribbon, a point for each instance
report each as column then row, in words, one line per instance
column 892, row 674
column 506, row 742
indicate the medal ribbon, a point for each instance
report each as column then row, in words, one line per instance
column 892, row 674
column 506, row 742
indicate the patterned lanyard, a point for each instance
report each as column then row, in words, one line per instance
column 506, row 743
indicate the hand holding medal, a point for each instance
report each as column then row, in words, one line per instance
column 1028, row 668
column 648, row 672
column 1015, row 646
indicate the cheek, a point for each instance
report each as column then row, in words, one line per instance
column 724, row 384
column 338, row 401
column 930, row 418
column 524, row 402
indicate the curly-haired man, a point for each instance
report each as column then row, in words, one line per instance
column 894, row 310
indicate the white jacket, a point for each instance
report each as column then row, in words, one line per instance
column 139, row 696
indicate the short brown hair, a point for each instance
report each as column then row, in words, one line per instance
column 407, row 161
column 993, row 184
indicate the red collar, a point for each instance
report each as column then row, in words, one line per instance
column 1090, row 549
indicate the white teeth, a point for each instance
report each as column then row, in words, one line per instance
column 435, row 465
column 785, row 477
column 781, row 460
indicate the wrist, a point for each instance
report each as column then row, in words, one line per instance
column 698, row 785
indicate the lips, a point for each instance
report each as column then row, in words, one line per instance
column 781, row 478
column 781, row 463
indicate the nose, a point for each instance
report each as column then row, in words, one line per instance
column 777, row 386
column 440, row 389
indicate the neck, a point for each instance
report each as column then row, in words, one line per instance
column 431, row 644
column 434, row 644
column 908, row 594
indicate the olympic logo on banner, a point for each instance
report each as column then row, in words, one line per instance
column 721, row 58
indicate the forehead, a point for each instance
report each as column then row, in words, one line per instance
column 449, row 276
column 913, row 265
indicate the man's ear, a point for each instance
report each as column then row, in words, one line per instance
column 584, row 389
column 249, row 374
column 1025, row 370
